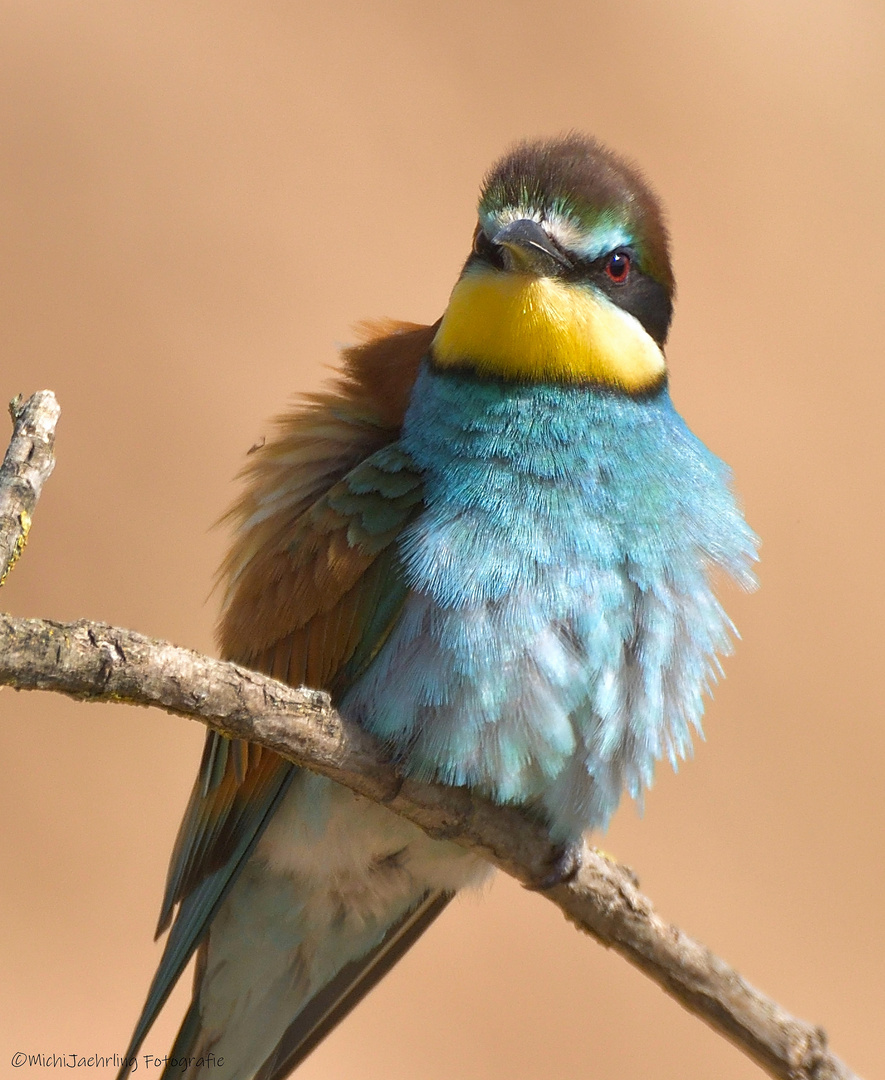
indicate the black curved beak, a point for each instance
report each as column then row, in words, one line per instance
column 527, row 247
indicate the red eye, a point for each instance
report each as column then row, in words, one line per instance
column 617, row 266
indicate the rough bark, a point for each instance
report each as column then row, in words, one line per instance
column 26, row 467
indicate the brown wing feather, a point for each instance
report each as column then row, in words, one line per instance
column 314, row 448
column 298, row 591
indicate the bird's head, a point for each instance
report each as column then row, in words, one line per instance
column 569, row 279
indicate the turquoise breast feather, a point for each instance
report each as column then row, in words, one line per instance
column 560, row 627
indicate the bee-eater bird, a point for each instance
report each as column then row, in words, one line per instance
column 492, row 543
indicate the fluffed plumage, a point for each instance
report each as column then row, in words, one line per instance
column 491, row 541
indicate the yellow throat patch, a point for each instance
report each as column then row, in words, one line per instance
column 541, row 329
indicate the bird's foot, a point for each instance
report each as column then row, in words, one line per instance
column 565, row 866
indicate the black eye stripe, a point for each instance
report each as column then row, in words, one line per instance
column 642, row 296
column 484, row 249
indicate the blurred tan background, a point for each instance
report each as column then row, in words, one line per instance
column 197, row 202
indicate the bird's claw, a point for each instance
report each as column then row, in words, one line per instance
column 564, row 868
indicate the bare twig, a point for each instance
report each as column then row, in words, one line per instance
column 95, row 662
column 28, row 462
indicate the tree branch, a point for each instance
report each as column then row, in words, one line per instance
column 96, row 662
column 26, row 467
